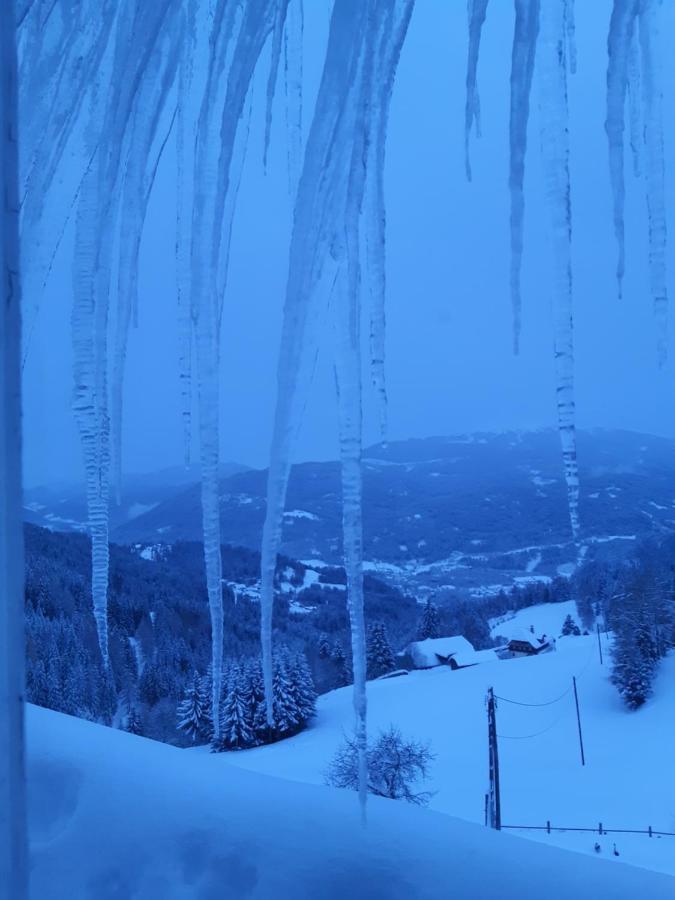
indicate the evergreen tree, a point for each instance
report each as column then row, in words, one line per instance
column 286, row 714
column 324, row 647
column 133, row 721
column 303, row 688
column 192, row 714
column 430, row 623
column 236, row 720
column 339, row 658
column 634, row 650
column 379, row 656
column 570, row 627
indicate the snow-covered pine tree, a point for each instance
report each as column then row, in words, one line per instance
column 303, row 688
column 286, row 713
column 133, row 722
column 192, row 715
column 633, row 650
column 570, row 627
column 236, row 717
column 380, row 658
column 257, row 700
column 430, row 623
column 324, row 647
column 339, row 658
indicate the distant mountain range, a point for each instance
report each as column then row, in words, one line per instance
column 63, row 507
column 470, row 513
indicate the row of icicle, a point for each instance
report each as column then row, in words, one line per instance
column 118, row 79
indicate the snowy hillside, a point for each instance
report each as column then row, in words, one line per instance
column 117, row 816
column 628, row 781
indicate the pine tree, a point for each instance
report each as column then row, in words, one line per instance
column 286, row 713
column 236, row 720
column 379, row 656
column 192, row 714
column 303, row 688
column 430, row 624
column 634, row 650
column 258, row 706
column 324, row 647
column 133, row 722
column 570, row 627
column 339, row 658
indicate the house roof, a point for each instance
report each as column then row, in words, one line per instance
column 426, row 653
column 536, row 641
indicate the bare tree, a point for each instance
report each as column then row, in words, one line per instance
column 396, row 765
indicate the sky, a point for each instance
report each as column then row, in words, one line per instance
column 450, row 365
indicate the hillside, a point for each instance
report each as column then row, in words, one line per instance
column 628, row 781
column 116, row 816
column 473, row 511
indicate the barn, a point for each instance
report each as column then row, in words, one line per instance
column 526, row 643
column 454, row 651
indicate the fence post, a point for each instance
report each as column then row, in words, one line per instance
column 600, row 828
column 650, row 831
column 548, row 826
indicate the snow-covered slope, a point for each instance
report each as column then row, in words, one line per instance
column 116, row 816
column 628, row 780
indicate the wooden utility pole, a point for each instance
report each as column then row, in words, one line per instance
column 581, row 739
column 597, row 625
column 494, row 800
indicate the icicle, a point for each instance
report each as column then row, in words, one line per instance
column 293, row 55
column 476, row 10
column 394, row 31
column 555, row 155
column 89, row 325
column 238, row 36
column 635, row 105
column 522, row 65
column 570, row 34
column 621, row 29
column 655, row 173
column 326, row 235
column 277, row 44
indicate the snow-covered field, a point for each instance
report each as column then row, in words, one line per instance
column 116, row 817
column 629, row 778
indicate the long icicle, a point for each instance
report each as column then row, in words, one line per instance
column 654, row 174
column 555, row 155
column 293, row 63
column 525, row 34
column 476, row 11
column 621, row 30
column 635, row 105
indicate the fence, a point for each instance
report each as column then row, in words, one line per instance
column 599, row 829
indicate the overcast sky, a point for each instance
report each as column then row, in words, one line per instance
column 449, row 360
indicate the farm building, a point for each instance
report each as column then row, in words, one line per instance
column 455, row 652
column 526, row 643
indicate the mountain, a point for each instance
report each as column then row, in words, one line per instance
column 115, row 815
column 63, row 507
column 472, row 513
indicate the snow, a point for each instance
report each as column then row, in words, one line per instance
column 542, row 778
column 424, row 653
column 114, row 815
column 300, row 514
column 545, row 619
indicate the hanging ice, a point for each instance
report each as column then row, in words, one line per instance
column 571, row 38
column 621, row 29
column 293, row 67
column 555, row 156
column 525, row 34
column 364, row 41
column 635, row 104
column 654, row 171
column 238, row 36
column 476, row 11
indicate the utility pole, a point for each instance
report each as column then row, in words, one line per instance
column 597, row 625
column 494, row 800
column 581, row 739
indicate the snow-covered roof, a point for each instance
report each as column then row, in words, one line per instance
column 524, row 634
column 426, row 653
column 475, row 657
